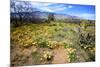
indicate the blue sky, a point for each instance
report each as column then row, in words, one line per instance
column 83, row 11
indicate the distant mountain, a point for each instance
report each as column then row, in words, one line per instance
column 39, row 14
column 44, row 15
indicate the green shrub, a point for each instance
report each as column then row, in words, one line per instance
column 37, row 58
column 72, row 56
column 42, row 42
column 66, row 45
column 87, row 40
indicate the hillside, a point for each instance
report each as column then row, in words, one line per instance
column 54, row 42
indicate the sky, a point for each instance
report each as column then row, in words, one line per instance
column 82, row 11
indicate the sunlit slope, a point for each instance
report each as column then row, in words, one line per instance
column 54, row 42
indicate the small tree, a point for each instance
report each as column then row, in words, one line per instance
column 17, row 11
column 50, row 17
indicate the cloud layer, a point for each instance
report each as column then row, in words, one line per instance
column 84, row 11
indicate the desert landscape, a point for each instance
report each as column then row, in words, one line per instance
column 44, row 37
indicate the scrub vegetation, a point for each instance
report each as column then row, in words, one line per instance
column 54, row 42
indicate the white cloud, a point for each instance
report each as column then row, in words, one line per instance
column 70, row 6
column 57, row 8
column 47, row 9
column 40, row 4
column 46, row 4
column 35, row 3
column 50, row 7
